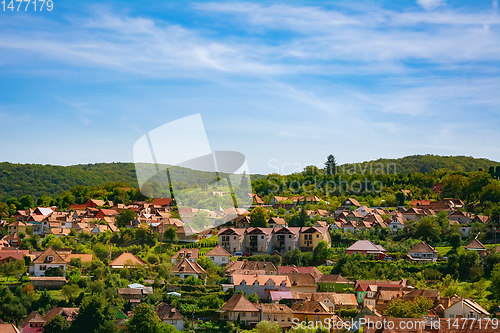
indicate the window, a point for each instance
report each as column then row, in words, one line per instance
column 243, row 283
column 223, row 258
column 174, row 322
column 212, row 258
column 234, row 237
column 43, row 267
column 255, row 314
column 261, row 237
column 256, row 283
column 50, row 258
column 317, row 236
column 317, row 318
column 243, row 314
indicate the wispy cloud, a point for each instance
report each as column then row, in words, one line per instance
column 430, row 4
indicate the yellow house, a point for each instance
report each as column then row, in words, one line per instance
column 310, row 237
column 313, row 311
column 17, row 226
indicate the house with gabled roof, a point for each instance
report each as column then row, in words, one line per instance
column 16, row 227
column 285, row 239
column 69, row 314
column 189, row 254
column 476, row 245
column 8, row 328
column 231, row 239
column 219, row 256
column 423, row 252
column 186, row 268
column 314, row 311
column 311, row 236
column 279, row 313
column 8, row 255
column 238, row 307
column 461, row 216
column 302, row 282
column 170, row 315
column 126, row 260
column 250, row 267
column 33, row 323
column 95, row 203
column 349, row 202
column 397, row 222
column 363, row 210
column 276, row 222
column 48, row 259
column 366, row 247
column 350, row 226
column 466, row 308
column 258, row 240
column 260, row 284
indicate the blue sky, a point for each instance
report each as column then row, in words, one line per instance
column 285, row 83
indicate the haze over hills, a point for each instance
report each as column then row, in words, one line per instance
column 17, row 180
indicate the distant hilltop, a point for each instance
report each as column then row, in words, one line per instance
column 17, row 180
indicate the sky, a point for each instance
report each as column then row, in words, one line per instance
column 284, row 83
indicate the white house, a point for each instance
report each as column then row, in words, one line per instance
column 186, row 268
column 397, row 223
column 218, row 255
column 466, row 308
column 423, row 252
column 170, row 315
column 48, row 259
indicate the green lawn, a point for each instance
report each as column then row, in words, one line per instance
column 443, row 250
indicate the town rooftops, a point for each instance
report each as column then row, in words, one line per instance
column 68, row 313
column 127, row 259
column 422, row 247
column 303, row 270
column 475, row 245
column 239, row 303
column 277, row 280
column 33, row 317
column 218, row 251
column 186, row 267
column 49, row 256
column 168, row 312
column 186, row 253
column 366, row 245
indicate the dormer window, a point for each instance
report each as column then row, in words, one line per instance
column 243, row 283
column 256, row 283
column 50, row 258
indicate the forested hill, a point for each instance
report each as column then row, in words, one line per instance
column 17, row 180
column 428, row 163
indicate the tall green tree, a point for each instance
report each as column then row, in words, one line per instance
column 95, row 316
column 27, row 201
column 144, row 320
column 125, row 217
column 495, row 282
column 330, row 165
column 171, row 234
column 56, row 324
column 259, row 217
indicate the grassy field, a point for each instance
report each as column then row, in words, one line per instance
column 443, row 250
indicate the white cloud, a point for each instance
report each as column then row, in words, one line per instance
column 430, row 4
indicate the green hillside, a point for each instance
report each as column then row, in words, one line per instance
column 17, row 180
column 429, row 163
